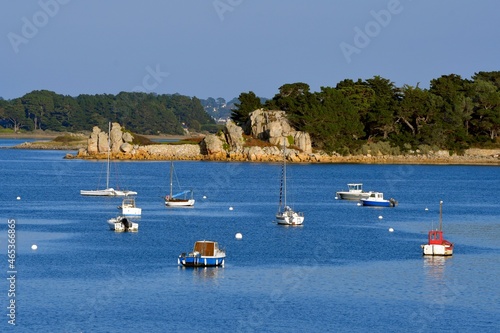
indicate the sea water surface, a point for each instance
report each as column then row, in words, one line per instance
column 342, row 271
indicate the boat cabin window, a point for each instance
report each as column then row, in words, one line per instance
column 435, row 236
column 354, row 187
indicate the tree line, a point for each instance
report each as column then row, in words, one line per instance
column 138, row 112
column 454, row 113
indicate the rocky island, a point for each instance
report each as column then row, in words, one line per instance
column 267, row 131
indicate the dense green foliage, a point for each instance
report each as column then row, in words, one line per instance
column 137, row 112
column 248, row 102
column 454, row 113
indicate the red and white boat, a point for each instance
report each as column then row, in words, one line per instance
column 436, row 244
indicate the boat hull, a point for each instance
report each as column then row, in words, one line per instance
column 202, row 261
column 378, row 203
column 124, row 193
column 180, row 203
column 99, row 193
column 107, row 193
column 289, row 219
column 132, row 212
column 437, row 250
column 116, row 226
column 129, row 208
column 352, row 196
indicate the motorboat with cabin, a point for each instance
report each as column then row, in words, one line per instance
column 205, row 254
column 354, row 192
column 129, row 207
column 122, row 224
column 436, row 244
column 376, row 199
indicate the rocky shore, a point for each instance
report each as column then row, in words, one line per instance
column 192, row 152
column 268, row 131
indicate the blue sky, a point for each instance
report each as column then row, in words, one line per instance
column 220, row 48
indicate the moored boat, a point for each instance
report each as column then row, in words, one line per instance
column 376, row 199
column 108, row 191
column 205, row 254
column 436, row 244
column 182, row 199
column 289, row 217
column 354, row 192
column 285, row 214
column 122, row 224
column 129, row 208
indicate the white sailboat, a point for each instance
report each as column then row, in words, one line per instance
column 179, row 199
column 286, row 215
column 108, row 191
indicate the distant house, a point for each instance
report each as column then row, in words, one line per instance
column 185, row 128
column 222, row 120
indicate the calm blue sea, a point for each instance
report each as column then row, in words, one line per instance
column 342, row 271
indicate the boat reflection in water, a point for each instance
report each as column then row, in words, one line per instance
column 435, row 266
column 203, row 274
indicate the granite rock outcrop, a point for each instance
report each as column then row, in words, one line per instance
column 266, row 132
column 274, row 127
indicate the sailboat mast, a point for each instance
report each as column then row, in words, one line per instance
column 109, row 151
column 441, row 215
column 171, row 177
column 282, row 178
column 284, row 172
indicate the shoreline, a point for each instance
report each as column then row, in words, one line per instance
column 53, row 135
column 484, row 160
column 473, row 156
column 355, row 159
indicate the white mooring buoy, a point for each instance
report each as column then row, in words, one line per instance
column 238, row 235
column 391, row 230
column 34, row 247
